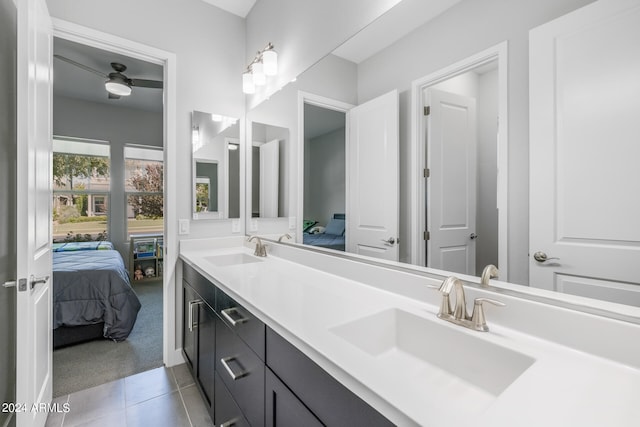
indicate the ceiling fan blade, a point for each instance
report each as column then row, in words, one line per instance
column 79, row 65
column 112, row 96
column 154, row 84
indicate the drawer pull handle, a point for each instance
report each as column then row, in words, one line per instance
column 191, row 304
column 234, row 376
column 229, row 423
column 227, row 314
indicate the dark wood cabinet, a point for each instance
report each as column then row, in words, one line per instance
column 227, row 412
column 329, row 400
column 251, row 376
column 283, row 408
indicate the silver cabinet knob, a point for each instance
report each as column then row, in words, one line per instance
column 542, row 257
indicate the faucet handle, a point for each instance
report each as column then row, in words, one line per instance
column 477, row 317
column 445, row 305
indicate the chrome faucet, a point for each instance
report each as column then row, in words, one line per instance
column 284, row 236
column 459, row 314
column 489, row 272
column 261, row 250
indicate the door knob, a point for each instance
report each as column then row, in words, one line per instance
column 390, row 241
column 542, row 257
column 473, row 236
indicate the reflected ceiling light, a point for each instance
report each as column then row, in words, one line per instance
column 233, row 147
column 118, row 85
column 248, row 86
column 216, row 117
column 264, row 64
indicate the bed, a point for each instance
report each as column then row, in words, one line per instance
column 331, row 236
column 92, row 295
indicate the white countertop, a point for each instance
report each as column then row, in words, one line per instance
column 307, row 306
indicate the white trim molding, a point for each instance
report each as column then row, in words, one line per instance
column 171, row 351
column 418, row 210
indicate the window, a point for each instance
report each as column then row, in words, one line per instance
column 81, row 189
column 144, row 189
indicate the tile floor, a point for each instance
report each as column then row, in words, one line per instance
column 162, row 397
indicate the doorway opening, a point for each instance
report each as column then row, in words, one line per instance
column 109, row 193
column 459, row 219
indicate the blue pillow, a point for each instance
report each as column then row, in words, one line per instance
column 335, row 227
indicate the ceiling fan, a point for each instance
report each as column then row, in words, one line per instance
column 116, row 83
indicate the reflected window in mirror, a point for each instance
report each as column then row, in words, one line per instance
column 269, row 170
column 215, row 142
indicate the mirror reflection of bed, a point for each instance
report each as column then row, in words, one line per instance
column 330, row 236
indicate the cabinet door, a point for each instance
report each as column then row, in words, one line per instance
column 206, row 351
column 189, row 320
column 283, row 408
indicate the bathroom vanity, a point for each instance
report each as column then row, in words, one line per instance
column 302, row 338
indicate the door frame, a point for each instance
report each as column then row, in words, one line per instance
column 329, row 104
column 98, row 39
column 418, row 152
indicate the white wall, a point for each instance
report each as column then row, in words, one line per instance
column 304, row 31
column 324, row 176
column 467, row 28
column 119, row 126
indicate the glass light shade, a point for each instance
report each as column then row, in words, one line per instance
column 259, row 78
column 270, row 62
column 117, row 88
column 247, row 83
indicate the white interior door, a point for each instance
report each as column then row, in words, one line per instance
column 452, row 183
column 34, row 157
column 269, row 178
column 584, row 151
column 372, row 178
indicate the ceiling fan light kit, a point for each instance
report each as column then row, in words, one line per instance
column 117, row 84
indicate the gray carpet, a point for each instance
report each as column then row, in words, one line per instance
column 89, row 364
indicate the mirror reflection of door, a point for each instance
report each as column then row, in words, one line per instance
column 270, row 170
column 461, row 150
column 207, row 182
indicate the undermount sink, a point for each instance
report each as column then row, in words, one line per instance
column 231, row 259
column 445, row 353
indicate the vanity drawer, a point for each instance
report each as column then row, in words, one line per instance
column 200, row 284
column 330, row 401
column 242, row 371
column 242, row 322
column 226, row 411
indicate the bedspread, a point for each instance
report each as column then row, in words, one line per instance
column 91, row 287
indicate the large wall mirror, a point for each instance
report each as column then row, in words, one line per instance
column 215, row 143
column 477, row 190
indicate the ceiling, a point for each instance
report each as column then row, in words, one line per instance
column 73, row 82
column 392, row 26
column 237, row 7
column 320, row 121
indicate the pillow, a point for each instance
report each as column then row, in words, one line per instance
column 335, row 227
column 307, row 224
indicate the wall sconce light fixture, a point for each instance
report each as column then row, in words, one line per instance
column 264, row 64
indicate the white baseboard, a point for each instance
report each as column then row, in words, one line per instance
column 175, row 358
